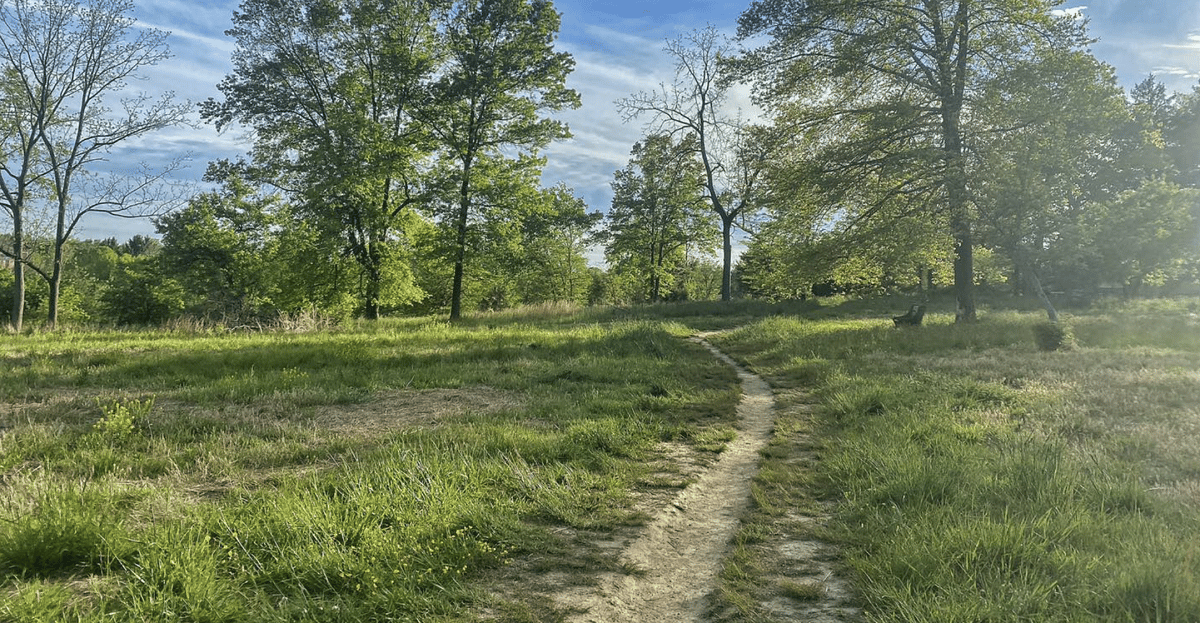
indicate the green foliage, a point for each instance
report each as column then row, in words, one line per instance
column 1052, row 336
column 337, row 127
column 140, row 294
column 1143, row 232
column 120, row 418
column 219, row 248
column 658, row 219
column 864, row 159
column 313, row 275
column 554, row 238
column 502, row 75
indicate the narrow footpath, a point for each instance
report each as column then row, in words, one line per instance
column 681, row 551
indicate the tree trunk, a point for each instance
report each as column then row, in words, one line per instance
column 56, row 282
column 925, row 275
column 953, row 72
column 964, row 271
column 18, row 300
column 374, row 277
column 1041, row 294
column 960, row 223
column 727, row 258
column 464, row 200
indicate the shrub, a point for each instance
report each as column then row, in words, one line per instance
column 1051, row 336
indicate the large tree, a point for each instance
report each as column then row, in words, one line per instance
column 331, row 89
column 694, row 103
column 61, row 61
column 887, row 90
column 502, row 74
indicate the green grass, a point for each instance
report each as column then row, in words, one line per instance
column 978, row 478
column 162, row 476
column 392, row 470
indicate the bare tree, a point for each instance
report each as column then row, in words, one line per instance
column 693, row 104
column 61, row 60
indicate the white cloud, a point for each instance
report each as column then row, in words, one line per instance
column 1073, row 12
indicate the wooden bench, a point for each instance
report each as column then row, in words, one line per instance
column 911, row 318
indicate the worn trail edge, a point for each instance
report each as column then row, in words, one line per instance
column 681, row 551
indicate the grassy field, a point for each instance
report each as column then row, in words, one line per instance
column 974, row 477
column 391, row 471
column 371, row 473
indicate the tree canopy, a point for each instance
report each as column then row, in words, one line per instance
column 886, row 97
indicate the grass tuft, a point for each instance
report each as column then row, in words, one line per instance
column 802, row 591
column 1051, row 336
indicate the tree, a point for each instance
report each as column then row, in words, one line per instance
column 241, row 254
column 219, row 249
column 1182, row 133
column 888, row 90
column 331, row 89
column 140, row 294
column 1062, row 118
column 1145, row 231
column 658, row 219
column 61, row 60
column 552, row 262
column 502, row 74
column 694, row 104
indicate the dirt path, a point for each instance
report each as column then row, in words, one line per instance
column 681, row 551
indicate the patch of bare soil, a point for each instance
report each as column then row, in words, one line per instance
column 670, row 568
column 418, row 408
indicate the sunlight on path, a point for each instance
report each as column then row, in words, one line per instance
column 681, row 551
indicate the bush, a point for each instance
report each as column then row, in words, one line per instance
column 1051, row 336
column 140, row 295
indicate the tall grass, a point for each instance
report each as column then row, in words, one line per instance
column 978, row 478
column 162, row 476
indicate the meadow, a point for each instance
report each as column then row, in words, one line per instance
column 399, row 470
column 369, row 473
column 972, row 476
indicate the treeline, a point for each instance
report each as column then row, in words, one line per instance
column 1086, row 202
column 238, row 256
column 396, row 167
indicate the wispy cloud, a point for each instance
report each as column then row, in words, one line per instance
column 1193, row 43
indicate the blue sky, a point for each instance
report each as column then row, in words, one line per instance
column 617, row 48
